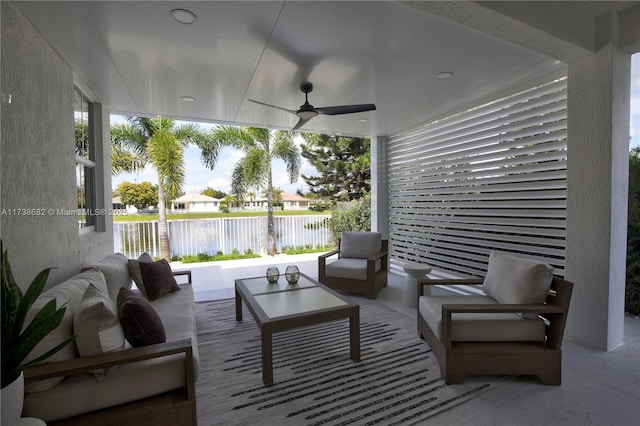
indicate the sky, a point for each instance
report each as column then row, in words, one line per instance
column 198, row 177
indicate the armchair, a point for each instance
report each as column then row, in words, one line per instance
column 361, row 266
column 516, row 329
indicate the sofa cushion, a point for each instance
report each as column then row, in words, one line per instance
column 97, row 327
column 157, row 279
column 134, row 270
column 116, row 271
column 512, row 279
column 360, row 245
column 141, row 324
column 485, row 327
column 178, row 313
column 355, row 269
column 68, row 293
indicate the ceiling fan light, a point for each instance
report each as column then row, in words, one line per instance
column 307, row 115
column 183, row 16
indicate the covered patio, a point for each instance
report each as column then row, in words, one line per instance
column 597, row 386
column 498, row 125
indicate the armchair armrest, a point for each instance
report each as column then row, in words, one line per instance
column 454, row 281
column 378, row 255
column 322, row 264
column 329, row 254
column 109, row 359
column 449, row 309
column 181, row 273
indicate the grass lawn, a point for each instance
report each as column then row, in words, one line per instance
column 208, row 215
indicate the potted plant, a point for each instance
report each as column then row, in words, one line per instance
column 18, row 338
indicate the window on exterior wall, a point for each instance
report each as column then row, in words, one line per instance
column 490, row 178
column 85, row 161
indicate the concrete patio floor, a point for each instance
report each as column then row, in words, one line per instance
column 598, row 388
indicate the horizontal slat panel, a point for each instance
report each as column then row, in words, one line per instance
column 493, row 177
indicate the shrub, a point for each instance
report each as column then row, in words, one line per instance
column 308, row 248
column 204, row 257
column 350, row 216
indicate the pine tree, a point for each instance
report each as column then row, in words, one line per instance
column 344, row 164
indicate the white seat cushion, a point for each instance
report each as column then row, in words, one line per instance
column 178, row 314
column 355, row 269
column 486, row 327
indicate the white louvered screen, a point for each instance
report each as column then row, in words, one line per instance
column 492, row 177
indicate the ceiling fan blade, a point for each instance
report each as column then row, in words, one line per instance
column 301, row 123
column 292, row 111
column 345, row 109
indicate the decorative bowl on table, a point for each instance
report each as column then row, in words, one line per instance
column 292, row 274
column 273, row 274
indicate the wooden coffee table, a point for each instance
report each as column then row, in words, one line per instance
column 282, row 306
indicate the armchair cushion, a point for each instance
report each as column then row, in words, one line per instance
column 512, row 279
column 360, row 245
column 484, row 327
column 355, row 269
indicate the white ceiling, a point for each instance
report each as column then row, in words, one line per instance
column 138, row 60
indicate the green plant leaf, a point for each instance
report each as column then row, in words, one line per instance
column 11, row 295
column 35, row 289
column 49, row 353
column 45, row 321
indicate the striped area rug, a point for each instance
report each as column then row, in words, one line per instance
column 396, row 382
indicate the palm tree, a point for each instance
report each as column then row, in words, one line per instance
column 159, row 142
column 260, row 146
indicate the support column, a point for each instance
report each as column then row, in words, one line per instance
column 379, row 187
column 597, row 191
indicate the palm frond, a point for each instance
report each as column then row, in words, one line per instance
column 125, row 161
column 286, row 149
column 237, row 182
column 236, row 137
column 166, row 155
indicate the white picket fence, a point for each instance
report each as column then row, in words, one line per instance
column 210, row 236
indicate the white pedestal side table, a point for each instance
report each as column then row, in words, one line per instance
column 415, row 271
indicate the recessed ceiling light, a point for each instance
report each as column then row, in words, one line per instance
column 188, row 98
column 363, row 120
column 183, row 16
column 445, row 74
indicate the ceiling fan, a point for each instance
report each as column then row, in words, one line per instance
column 308, row 111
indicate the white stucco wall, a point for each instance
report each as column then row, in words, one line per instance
column 38, row 161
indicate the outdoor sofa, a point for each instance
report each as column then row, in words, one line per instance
column 151, row 384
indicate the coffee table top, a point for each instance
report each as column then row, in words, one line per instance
column 282, row 299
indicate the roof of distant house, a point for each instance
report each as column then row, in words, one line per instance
column 195, row 198
column 293, row 197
